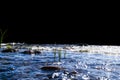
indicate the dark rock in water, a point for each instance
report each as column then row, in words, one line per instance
column 74, row 72
column 27, row 52
column 8, row 50
column 31, row 52
column 83, row 50
column 36, row 51
column 51, row 68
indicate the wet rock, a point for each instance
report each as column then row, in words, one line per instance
column 9, row 50
column 74, row 72
column 83, row 50
column 51, row 68
column 31, row 52
column 37, row 51
column 28, row 52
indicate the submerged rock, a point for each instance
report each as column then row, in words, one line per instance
column 51, row 68
column 83, row 50
column 31, row 52
column 74, row 72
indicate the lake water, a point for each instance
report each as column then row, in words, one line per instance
column 76, row 66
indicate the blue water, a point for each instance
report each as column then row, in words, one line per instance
column 18, row 66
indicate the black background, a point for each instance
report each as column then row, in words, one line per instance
column 51, row 24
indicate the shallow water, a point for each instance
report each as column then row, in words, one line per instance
column 89, row 66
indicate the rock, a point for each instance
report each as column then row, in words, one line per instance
column 31, row 52
column 28, row 52
column 8, row 50
column 51, row 68
column 36, row 51
column 74, row 72
column 83, row 50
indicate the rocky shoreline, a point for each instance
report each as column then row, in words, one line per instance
column 36, row 48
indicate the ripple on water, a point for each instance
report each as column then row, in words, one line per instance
column 17, row 66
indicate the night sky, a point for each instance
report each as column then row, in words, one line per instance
column 48, row 25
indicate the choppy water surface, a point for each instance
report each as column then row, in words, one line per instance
column 76, row 66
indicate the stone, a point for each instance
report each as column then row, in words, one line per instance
column 51, row 68
column 8, row 50
column 31, row 52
